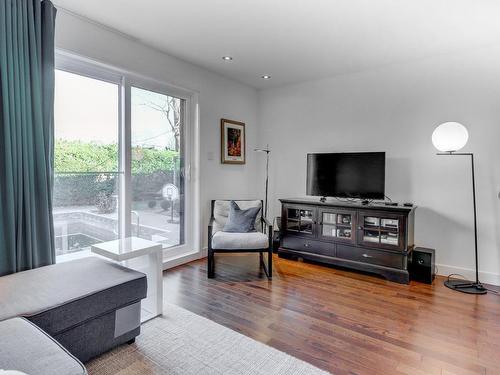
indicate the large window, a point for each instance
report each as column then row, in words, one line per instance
column 156, row 159
column 86, row 180
column 120, row 157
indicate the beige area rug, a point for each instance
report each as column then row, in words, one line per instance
column 184, row 343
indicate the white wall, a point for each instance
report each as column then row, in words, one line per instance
column 395, row 109
column 219, row 97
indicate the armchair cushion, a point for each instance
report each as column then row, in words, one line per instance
column 221, row 212
column 241, row 221
column 240, row 241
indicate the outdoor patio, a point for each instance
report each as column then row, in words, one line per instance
column 76, row 228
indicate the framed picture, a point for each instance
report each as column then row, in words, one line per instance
column 232, row 142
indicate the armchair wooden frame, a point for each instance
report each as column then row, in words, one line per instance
column 265, row 225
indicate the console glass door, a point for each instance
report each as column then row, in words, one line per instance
column 380, row 231
column 300, row 221
column 306, row 221
column 336, row 224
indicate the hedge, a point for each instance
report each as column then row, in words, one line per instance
column 82, row 190
column 76, row 156
column 151, row 170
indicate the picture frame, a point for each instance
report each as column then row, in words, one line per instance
column 233, row 142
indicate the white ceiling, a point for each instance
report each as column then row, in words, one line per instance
column 298, row 40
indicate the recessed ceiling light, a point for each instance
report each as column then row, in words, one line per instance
column 227, row 58
column 266, row 76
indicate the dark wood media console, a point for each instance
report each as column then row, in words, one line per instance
column 374, row 238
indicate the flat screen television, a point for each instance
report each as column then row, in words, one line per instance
column 346, row 175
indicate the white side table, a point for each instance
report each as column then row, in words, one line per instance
column 144, row 256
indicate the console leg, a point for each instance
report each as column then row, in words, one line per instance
column 131, row 341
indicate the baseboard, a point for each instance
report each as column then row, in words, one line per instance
column 484, row 277
column 177, row 261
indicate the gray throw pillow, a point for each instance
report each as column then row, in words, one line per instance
column 241, row 221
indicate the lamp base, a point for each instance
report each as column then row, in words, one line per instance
column 466, row 286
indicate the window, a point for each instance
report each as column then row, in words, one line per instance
column 121, row 150
column 157, row 158
column 86, row 181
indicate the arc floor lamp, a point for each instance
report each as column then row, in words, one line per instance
column 449, row 138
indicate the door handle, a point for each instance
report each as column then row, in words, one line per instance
column 367, row 256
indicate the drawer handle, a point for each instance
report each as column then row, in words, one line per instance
column 367, row 256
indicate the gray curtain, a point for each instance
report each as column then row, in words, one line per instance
column 26, row 134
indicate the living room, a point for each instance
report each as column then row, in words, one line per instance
column 171, row 188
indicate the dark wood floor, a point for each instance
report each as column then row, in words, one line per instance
column 345, row 322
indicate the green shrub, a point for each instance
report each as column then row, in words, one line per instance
column 74, row 185
column 82, row 189
column 76, row 156
column 152, row 160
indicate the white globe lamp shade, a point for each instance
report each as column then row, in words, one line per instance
column 450, row 137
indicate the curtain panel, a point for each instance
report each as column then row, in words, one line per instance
column 26, row 134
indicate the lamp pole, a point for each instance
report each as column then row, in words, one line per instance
column 267, row 151
column 461, row 285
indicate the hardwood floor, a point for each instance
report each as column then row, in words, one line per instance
column 342, row 321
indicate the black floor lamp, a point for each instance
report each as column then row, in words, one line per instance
column 267, row 151
column 449, row 138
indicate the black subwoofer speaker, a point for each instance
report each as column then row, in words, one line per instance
column 422, row 266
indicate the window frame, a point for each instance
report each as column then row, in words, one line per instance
column 191, row 248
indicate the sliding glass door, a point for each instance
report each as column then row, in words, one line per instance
column 87, row 169
column 157, row 161
column 121, row 151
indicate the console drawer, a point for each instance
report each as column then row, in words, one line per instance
column 381, row 258
column 310, row 246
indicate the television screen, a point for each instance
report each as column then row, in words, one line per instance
column 346, row 175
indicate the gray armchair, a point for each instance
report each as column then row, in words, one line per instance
column 260, row 241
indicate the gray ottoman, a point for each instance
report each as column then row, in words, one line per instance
column 25, row 347
column 88, row 305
